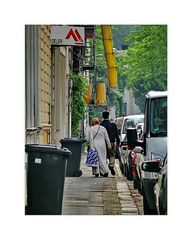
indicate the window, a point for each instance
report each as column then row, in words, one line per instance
column 132, row 122
column 158, row 118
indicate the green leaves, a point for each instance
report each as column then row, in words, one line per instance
column 142, row 67
column 100, row 54
column 146, row 58
column 78, row 104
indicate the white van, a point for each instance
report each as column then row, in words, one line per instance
column 154, row 144
column 127, row 121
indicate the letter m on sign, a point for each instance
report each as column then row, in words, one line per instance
column 75, row 36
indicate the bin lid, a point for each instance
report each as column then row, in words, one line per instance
column 47, row 148
column 79, row 140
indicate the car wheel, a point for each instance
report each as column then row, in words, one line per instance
column 139, row 187
column 163, row 199
column 122, row 167
column 120, row 164
column 146, row 208
column 129, row 174
column 124, row 170
column 135, row 183
column 162, row 209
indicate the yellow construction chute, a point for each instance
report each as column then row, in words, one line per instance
column 109, row 55
column 111, row 70
column 101, row 94
column 88, row 94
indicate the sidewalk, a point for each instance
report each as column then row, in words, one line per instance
column 87, row 195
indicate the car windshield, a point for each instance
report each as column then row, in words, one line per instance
column 132, row 122
column 158, row 122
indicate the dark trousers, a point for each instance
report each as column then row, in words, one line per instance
column 111, row 155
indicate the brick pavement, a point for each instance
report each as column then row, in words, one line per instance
column 87, row 195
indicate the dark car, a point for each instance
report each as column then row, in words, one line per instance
column 160, row 188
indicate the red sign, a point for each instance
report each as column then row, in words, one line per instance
column 75, row 35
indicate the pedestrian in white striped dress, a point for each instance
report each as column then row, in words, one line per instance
column 98, row 139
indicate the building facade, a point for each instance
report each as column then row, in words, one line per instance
column 47, row 88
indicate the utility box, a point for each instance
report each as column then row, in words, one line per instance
column 75, row 146
column 46, row 170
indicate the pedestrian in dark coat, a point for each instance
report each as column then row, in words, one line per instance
column 113, row 137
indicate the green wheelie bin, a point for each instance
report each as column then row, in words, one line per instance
column 46, row 171
column 75, row 145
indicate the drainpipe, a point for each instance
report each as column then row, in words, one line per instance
column 109, row 56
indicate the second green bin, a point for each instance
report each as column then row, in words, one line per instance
column 75, row 145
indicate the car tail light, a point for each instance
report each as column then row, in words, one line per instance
column 158, row 161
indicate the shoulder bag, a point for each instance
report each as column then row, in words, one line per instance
column 92, row 155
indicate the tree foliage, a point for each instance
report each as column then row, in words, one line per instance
column 142, row 67
column 146, row 62
column 119, row 34
column 100, row 56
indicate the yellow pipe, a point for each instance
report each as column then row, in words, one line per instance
column 88, row 94
column 112, row 76
column 110, row 60
column 100, row 94
column 107, row 39
column 109, row 55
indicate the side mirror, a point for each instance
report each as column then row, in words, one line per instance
column 151, row 166
column 139, row 131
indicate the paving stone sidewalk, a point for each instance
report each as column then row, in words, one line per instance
column 87, row 195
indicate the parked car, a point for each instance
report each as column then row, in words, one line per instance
column 140, row 172
column 135, row 159
column 119, row 122
column 136, row 154
column 154, row 143
column 132, row 156
column 160, row 188
column 122, row 124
